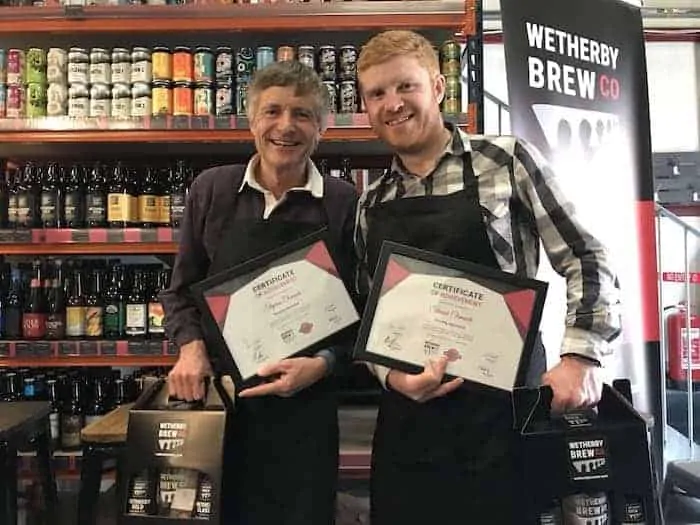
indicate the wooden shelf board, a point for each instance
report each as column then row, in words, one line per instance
column 166, row 136
column 103, row 360
column 285, row 17
column 87, row 248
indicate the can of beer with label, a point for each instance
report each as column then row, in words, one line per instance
column 204, row 99
column 332, row 96
column 15, row 66
column 224, row 99
column 450, row 54
column 3, row 66
column 182, row 99
column 203, row 62
column 162, row 64
column 78, row 100
column 265, row 56
column 57, row 100
column 36, row 66
column 348, row 63
column 452, row 102
column 36, row 100
column 241, row 98
column 182, row 64
column 347, row 97
column 162, row 98
column 306, row 56
column 285, row 53
column 56, row 65
column 121, row 101
column 224, row 64
column 245, row 63
column 586, row 509
column 3, row 100
column 327, row 63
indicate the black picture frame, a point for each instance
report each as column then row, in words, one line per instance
column 235, row 278
column 482, row 275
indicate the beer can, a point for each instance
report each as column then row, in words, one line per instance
column 265, row 56
column 162, row 98
column 327, row 63
column 347, row 97
column 224, row 64
column 182, row 64
column 78, row 100
column 36, row 100
column 245, row 63
column 121, row 66
column 36, row 66
column 348, row 63
column 450, row 56
column 57, row 66
column 204, row 99
column 16, row 101
column 3, row 67
column 100, row 100
column 100, row 66
column 332, row 96
column 141, row 99
column 161, row 64
column 121, row 101
column 241, row 98
column 57, row 99
column 586, row 509
column 141, row 65
column 306, row 56
column 285, row 53
column 182, row 99
column 224, row 99
column 204, row 65
column 15, row 66
column 3, row 100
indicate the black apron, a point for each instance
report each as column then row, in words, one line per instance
column 282, row 453
column 449, row 460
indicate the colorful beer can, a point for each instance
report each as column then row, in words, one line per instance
column 224, row 99
column 450, row 56
column 182, row 99
column 36, row 66
column 36, row 100
column 327, row 63
column 285, row 53
column 245, row 63
column 16, row 99
column 57, row 66
column 57, row 99
column 265, row 56
column 182, row 64
column 3, row 100
column 3, row 67
column 162, row 98
column 15, row 66
column 306, row 56
column 241, row 98
column 347, row 96
column 347, row 63
column 224, row 64
column 204, row 99
column 162, row 64
column 204, row 65
column 332, row 90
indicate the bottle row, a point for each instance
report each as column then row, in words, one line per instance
column 181, row 81
column 178, row 493
column 77, row 396
column 596, row 508
column 82, row 299
column 119, row 195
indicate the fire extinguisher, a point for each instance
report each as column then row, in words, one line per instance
column 676, row 335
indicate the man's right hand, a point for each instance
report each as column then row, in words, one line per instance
column 186, row 379
column 426, row 385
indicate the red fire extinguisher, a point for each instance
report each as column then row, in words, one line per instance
column 676, row 335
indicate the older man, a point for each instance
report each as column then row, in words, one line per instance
column 285, row 441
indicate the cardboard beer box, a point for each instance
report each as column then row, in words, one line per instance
column 172, row 472
column 587, row 466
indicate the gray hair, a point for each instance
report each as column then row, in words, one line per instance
column 294, row 74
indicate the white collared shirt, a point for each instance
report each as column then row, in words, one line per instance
column 314, row 185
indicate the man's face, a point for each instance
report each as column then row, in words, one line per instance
column 285, row 127
column 403, row 102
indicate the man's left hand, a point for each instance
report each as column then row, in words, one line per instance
column 575, row 384
column 288, row 377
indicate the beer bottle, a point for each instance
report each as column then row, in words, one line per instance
column 98, row 407
column 27, row 197
column 12, row 198
column 14, row 306
column 346, row 171
column 178, row 193
column 4, row 197
column 74, row 199
column 75, row 307
column 137, row 307
column 140, row 500
column 34, row 318
column 149, row 213
column 55, row 414
column 629, row 510
column 202, row 505
column 94, row 307
column 56, row 310
column 13, row 392
column 156, row 315
column 114, row 305
column 96, row 198
column 73, row 419
column 51, row 196
column 323, row 168
column 119, row 198
column 163, row 197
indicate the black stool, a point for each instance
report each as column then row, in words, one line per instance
column 22, row 422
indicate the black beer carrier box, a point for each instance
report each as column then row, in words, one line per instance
column 583, row 467
column 172, row 471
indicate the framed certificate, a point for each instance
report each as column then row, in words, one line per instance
column 285, row 303
column 423, row 305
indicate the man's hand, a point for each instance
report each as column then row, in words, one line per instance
column 292, row 375
column 426, row 385
column 186, row 379
column 575, row 384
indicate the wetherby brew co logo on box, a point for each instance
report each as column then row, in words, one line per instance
column 170, row 439
column 588, row 459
